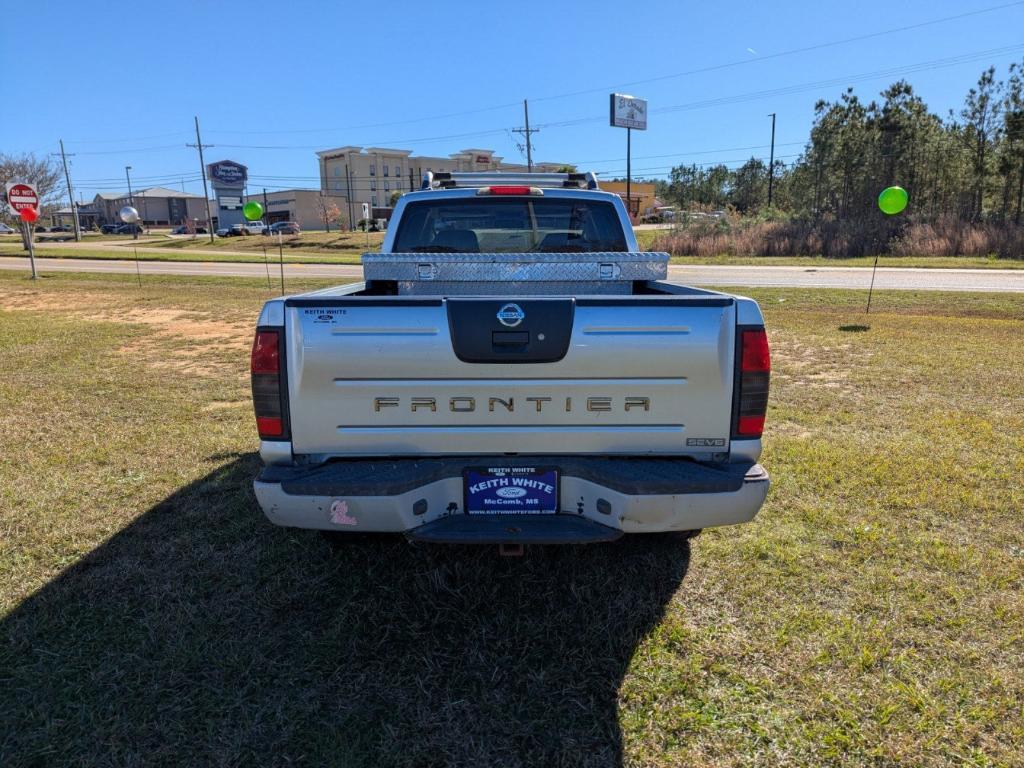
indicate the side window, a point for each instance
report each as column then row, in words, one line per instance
column 385, row 166
column 373, row 186
column 373, row 169
column 373, row 201
column 387, row 186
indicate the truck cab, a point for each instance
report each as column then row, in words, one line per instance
column 512, row 370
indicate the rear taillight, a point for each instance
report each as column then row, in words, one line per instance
column 754, row 371
column 267, row 385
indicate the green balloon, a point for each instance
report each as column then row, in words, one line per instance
column 892, row 200
column 254, row 210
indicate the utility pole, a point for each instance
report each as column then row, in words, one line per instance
column 202, row 166
column 771, row 163
column 266, row 207
column 526, row 132
column 351, row 210
column 71, row 193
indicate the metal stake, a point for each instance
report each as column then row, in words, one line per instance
column 872, row 288
column 31, row 248
column 280, row 253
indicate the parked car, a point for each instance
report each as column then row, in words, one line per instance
column 41, row 229
column 129, row 229
column 283, row 228
column 60, row 228
column 250, row 228
column 184, row 230
column 226, row 232
column 469, row 414
column 108, row 229
column 5, row 230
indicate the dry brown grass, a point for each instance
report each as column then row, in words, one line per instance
column 872, row 615
column 842, row 239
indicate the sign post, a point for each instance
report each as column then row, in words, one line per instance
column 366, row 223
column 628, row 112
column 24, row 200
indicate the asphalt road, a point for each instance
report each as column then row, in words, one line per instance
column 980, row 280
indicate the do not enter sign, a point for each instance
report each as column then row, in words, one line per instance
column 21, row 196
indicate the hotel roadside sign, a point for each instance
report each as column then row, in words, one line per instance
column 228, row 179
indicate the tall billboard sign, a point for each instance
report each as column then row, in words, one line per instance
column 228, row 179
column 630, row 113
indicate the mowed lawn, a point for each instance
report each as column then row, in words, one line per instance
column 871, row 615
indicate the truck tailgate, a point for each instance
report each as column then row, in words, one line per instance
column 375, row 376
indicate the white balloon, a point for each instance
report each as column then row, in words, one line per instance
column 128, row 215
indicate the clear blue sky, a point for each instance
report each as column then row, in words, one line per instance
column 272, row 82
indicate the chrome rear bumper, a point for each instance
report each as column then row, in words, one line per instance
column 405, row 495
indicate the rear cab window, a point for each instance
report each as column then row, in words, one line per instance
column 509, row 225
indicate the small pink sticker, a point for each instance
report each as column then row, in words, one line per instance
column 339, row 513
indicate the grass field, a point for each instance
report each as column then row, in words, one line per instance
column 871, row 615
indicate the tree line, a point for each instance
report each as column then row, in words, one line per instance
column 968, row 167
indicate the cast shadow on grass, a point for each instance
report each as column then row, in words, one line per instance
column 202, row 634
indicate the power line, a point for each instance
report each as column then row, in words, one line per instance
column 129, row 151
column 703, row 104
column 793, row 89
column 686, row 73
column 791, row 52
column 700, row 152
column 134, row 138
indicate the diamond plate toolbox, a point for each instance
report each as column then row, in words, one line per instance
column 590, row 270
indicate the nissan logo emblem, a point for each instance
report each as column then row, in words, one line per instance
column 511, row 315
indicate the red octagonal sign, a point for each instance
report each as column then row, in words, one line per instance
column 21, row 196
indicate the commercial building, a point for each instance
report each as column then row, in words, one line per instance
column 373, row 175
column 306, row 207
column 157, row 207
column 642, row 198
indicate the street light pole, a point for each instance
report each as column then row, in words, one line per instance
column 131, row 200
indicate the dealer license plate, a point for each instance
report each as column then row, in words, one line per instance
column 511, row 490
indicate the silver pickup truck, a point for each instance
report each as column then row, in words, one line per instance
column 513, row 370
